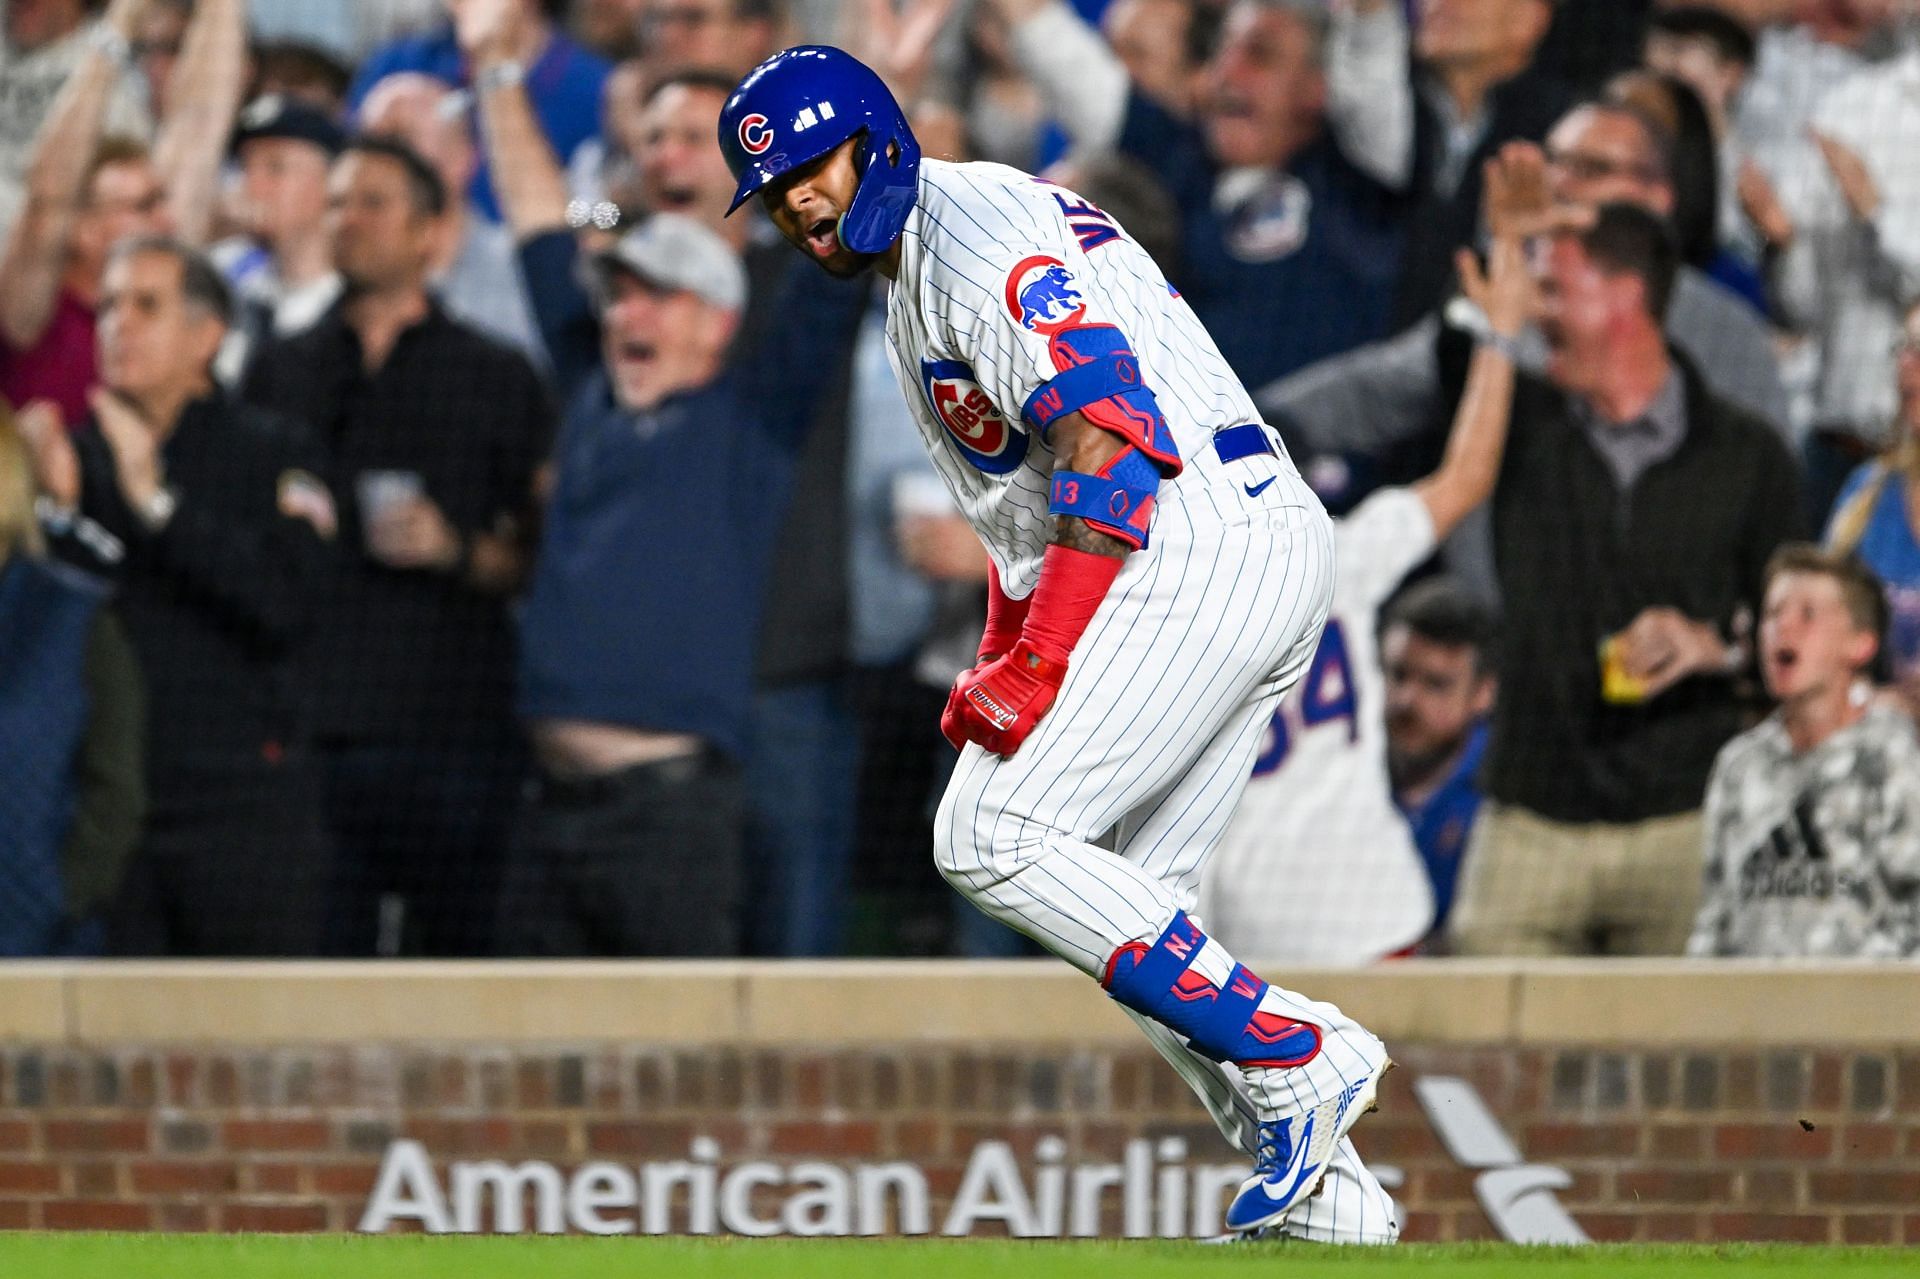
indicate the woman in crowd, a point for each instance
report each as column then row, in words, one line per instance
column 1694, row 170
column 71, row 721
column 1877, row 511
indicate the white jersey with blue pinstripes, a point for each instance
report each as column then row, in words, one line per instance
column 1003, row 283
column 993, row 262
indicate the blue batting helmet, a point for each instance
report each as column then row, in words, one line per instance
column 802, row 103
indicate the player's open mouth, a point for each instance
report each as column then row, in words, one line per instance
column 635, row 352
column 1783, row 660
column 823, row 238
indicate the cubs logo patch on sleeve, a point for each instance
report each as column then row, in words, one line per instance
column 974, row 424
column 1041, row 296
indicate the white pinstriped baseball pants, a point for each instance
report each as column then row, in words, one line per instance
column 1147, row 749
column 1152, row 737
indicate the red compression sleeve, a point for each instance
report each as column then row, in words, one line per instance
column 1005, row 616
column 1072, row 584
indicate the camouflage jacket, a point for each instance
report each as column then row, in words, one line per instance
column 1814, row 855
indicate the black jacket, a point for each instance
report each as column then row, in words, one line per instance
column 220, row 601
column 413, row 655
column 1579, row 559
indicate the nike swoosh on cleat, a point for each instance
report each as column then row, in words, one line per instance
column 1283, row 1183
column 1255, row 490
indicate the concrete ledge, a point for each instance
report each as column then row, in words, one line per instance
column 353, row 1003
column 1037, row 1001
column 33, row 1002
column 1654, row 1002
column 1040, row 1002
column 1431, row 1001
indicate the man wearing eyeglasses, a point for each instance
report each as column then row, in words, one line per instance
column 1632, row 523
column 1375, row 402
column 1603, row 152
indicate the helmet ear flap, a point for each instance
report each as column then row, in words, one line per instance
column 875, row 214
column 887, row 151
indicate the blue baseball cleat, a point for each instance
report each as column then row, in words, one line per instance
column 1295, row 1149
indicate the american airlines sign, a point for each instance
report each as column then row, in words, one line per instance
column 1156, row 1188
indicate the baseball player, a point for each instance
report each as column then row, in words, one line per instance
column 1317, row 865
column 1160, row 577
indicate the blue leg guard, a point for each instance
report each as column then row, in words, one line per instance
column 1223, row 1024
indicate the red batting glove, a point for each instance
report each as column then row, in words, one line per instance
column 950, row 727
column 998, row 704
column 1005, row 617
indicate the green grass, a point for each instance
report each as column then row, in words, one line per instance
column 62, row 1256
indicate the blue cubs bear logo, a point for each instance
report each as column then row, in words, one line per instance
column 973, row 422
column 1040, row 294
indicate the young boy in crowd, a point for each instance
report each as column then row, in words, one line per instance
column 1813, row 816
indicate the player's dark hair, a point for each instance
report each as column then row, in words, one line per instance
column 1626, row 239
column 202, row 286
column 1865, row 598
column 1729, row 38
column 424, row 187
column 1442, row 611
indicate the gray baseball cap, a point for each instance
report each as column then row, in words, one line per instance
column 672, row 251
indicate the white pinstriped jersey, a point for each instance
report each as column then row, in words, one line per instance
column 1004, row 283
column 1317, row 865
column 992, row 262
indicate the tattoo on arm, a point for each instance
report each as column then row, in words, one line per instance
column 1076, row 534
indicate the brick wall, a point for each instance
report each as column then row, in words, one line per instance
column 1682, row 1145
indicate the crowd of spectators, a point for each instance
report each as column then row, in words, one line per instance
column 429, row 526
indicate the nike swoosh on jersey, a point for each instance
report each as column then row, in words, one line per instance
column 1255, row 490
